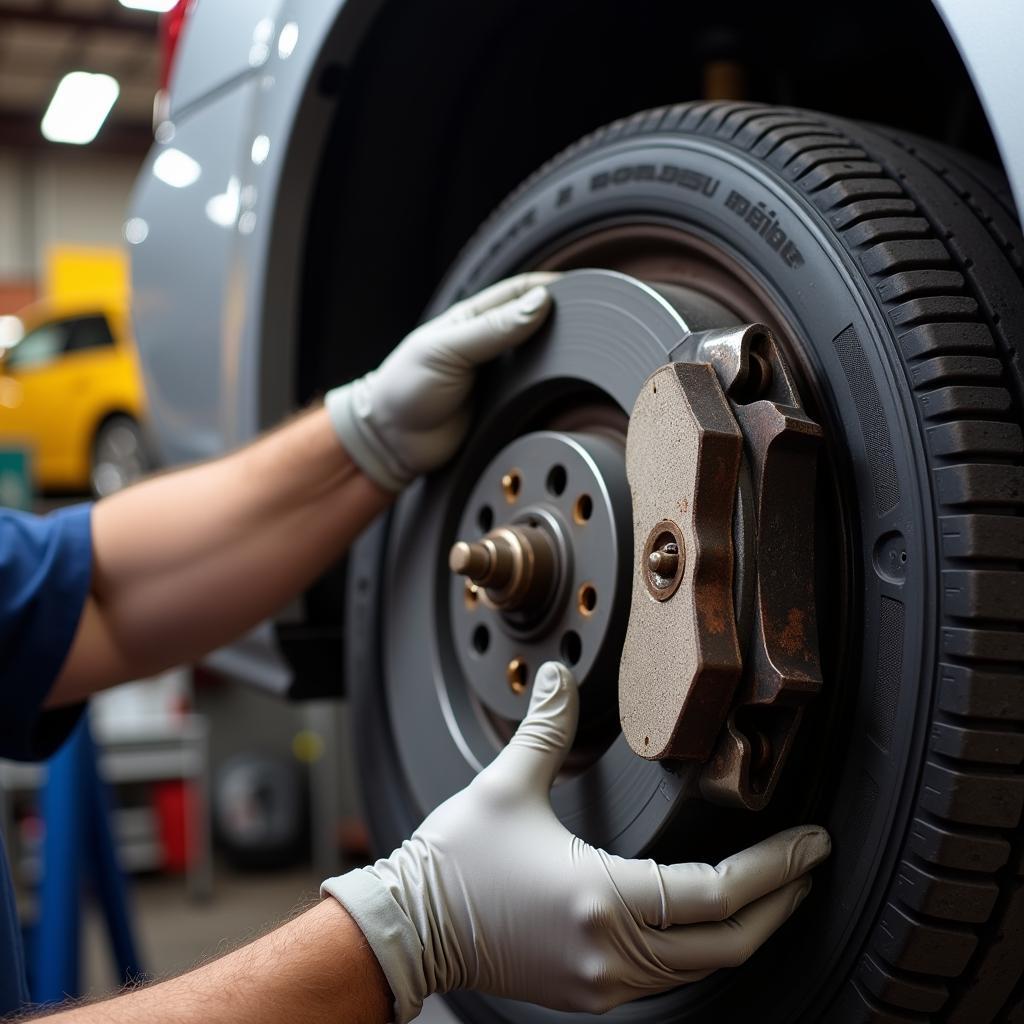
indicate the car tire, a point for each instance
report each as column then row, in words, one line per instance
column 893, row 267
column 119, row 455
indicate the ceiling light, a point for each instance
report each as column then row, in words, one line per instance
column 260, row 149
column 136, row 230
column 222, row 208
column 157, row 6
column 79, row 107
column 176, row 169
column 11, row 330
column 287, row 39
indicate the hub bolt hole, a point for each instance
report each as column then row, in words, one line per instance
column 485, row 518
column 481, row 639
column 516, row 675
column 583, row 509
column 556, row 480
column 511, row 485
column 586, row 600
column 572, row 647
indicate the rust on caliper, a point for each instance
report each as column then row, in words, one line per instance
column 728, row 412
column 681, row 658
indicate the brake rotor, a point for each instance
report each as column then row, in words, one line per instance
column 498, row 564
column 450, row 711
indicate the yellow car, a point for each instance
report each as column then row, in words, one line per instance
column 71, row 392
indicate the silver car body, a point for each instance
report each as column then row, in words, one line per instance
column 217, row 226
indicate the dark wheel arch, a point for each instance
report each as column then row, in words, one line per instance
column 482, row 102
column 405, row 142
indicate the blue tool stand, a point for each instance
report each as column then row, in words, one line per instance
column 78, row 855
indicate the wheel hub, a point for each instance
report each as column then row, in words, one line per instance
column 541, row 585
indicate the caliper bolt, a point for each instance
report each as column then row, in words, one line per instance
column 665, row 561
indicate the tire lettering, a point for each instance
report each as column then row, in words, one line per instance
column 666, row 174
column 764, row 223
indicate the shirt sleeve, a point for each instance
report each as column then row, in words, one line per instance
column 45, row 572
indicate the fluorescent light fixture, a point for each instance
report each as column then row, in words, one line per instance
column 261, row 36
column 156, row 6
column 11, row 330
column 287, row 39
column 136, row 230
column 260, row 149
column 222, row 208
column 79, row 107
column 175, row 168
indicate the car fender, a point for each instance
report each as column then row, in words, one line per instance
column 221, row 43
column 215, row 262
column 988, row 33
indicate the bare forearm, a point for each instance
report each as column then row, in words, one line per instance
column 187, row 561
column 316, row 968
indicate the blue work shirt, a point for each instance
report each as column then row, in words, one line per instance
column 45, row 569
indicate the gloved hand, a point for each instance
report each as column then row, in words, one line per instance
column 410, row 414
column 493, row 893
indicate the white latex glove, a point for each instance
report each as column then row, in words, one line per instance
column 410, row 414
column 493, row 893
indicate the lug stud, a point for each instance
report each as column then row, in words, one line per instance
column 516, row 565
column 472, row 560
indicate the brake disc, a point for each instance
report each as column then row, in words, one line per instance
column 524, row 550
column 452, row 707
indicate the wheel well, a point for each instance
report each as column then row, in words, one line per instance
column 447, row 107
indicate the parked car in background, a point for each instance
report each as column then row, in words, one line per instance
column 71, row 393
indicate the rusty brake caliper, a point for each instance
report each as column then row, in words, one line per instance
column 721, row 651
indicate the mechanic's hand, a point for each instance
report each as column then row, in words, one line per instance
column 493, row 893
column 410, row 414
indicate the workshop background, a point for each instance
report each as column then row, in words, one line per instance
column 210, row 782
